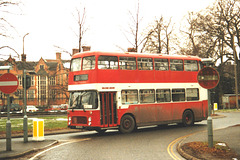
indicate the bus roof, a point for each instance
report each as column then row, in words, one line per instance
column 132, row 54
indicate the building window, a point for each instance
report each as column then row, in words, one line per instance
column 129, row 96
column 52, row 81
column 20, row 80
column 20, row 93
column 41, row 66
column 53, row 94
column 32, row 81
column 30, row 94
column 147, row 96
column 42, row 87
column 1, row 95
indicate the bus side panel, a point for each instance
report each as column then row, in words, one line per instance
column 178, row 109
column 149, row 113
column 199, row 110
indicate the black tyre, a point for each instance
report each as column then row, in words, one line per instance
column 127, row 124
column 188, row 118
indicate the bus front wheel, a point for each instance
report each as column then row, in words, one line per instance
column 188, row 118
column 127, row 124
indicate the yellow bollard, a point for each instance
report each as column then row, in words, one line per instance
column 38, row 130
column 215, row 106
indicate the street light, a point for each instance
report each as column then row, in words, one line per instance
column 25, row 119
column 23, row 40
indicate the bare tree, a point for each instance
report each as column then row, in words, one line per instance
column 134, row 32
column 5, row 25
column 159, row 37
column 80, row 18
column 215, row 29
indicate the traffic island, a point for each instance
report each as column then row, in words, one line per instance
column 200, row 150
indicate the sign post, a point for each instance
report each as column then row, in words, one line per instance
column 8, row 84
column 208, row 78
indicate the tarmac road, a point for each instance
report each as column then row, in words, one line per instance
column 147, row 143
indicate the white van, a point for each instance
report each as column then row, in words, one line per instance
column 31, row 109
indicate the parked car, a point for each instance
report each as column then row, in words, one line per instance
column 31, row 109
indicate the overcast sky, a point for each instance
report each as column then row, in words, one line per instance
column 51, row 22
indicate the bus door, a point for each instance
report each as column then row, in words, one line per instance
column 108, row 109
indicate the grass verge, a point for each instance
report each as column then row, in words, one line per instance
column 50, row 123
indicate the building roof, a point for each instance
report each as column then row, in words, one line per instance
column 31, row 65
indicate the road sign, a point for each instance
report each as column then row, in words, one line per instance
column 8, row 83
column 208, row 78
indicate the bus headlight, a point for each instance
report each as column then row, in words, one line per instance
column 69, row 120
column 89, row 121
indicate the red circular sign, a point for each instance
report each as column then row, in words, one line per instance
column 208, row 78
column 8, row 83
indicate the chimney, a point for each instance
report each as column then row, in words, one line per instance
column 24, row 57
column 74, row 51
column 86, row 48
column 58, row 56
column 132, row 50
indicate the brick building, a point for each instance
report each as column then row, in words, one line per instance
column 49, row 81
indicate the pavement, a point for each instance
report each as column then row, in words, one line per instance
column 228, row 135
column 20, row 149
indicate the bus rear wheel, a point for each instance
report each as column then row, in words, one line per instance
column 127, row 124
column 188, row 118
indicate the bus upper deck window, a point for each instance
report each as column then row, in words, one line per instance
column 176, row 65
column 127, row 63
column 190, row 65
column 161, row 64
column 88, row 63
column 107, row 62
column 76, row 64
column 145, row 63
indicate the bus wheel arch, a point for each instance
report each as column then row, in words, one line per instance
column 188, row 118
column 127, row 123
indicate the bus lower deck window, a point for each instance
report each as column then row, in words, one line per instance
column 163, row 95
column 147, row 96
column 192, row 94
column 129, row 96
column 178, row 95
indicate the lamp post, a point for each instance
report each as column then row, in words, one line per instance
column 23, row 40
column 25, row 119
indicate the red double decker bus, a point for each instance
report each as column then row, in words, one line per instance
column 128, row 90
